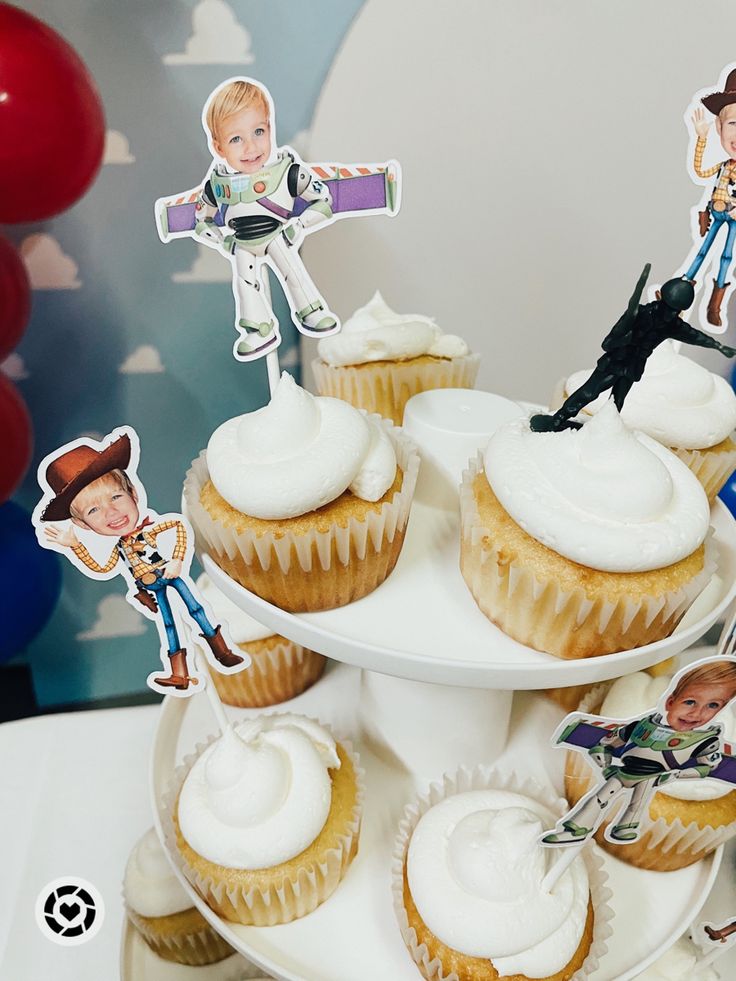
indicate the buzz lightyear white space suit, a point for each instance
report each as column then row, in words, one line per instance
column 637, row 757
column 259, row 221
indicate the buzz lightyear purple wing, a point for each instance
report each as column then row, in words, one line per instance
column 353, row 187
column 584, row 734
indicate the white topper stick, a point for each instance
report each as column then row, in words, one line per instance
column 553, row 875
column 214, row 698
column 272, row 358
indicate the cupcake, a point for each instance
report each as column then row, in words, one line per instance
column 265, row 820
column 682, row 962
column 161, row 911
column 583, row 542
column 381, row 358
column 279, row 670
column 467, row 876
column 570, row 698
column 687, row 819
column 305, row 501
column 683, row 406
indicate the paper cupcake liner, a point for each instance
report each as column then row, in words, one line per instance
column 279, row 670
column 666, row 844
column 290, row 897
column 195, row 948
column 316, row 570
column 566, row 623
column 386, row 386
column 711, row 469
column 484, row 778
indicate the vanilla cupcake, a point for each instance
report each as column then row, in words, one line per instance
column 381, row 358
column 683, row 406
column 279, row 670
column 305, row 501
column 688, row 819
column 162, row 913
column 570, row 698
column 583, row 542
column 467, row 876
column 265, row 820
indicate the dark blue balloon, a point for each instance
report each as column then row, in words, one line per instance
column 30, row 581
column 728, row 494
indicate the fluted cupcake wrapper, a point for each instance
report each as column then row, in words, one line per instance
column 665, row 845
column 711, row 468
column 566, row 623
column 316, row 570
column 291, row 897
column 195, row 948
column 386, row 386
column 279, row 670
column 486, row 778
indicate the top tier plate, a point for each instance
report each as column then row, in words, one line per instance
column 422, row 623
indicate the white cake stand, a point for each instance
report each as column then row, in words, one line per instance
column 353, row 936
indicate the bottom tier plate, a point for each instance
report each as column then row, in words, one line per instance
column 353, row 936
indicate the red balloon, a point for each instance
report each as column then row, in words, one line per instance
column 16, row 438
column 52, row 124
column 15, row 298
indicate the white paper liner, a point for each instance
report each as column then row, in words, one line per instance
column 277, row 673
column 386, row 386
column 204, row 946
column 361, row 545
column 666, row 844
column 484, row 778
column 293, row 898
column 711, row 469
column 532, row 610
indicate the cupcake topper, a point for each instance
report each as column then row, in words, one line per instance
column 714, row 939
column 628, row 345
column 94, row 487
column 677, row 740
column 256, row 203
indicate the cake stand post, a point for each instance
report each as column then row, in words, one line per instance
column 430, row 729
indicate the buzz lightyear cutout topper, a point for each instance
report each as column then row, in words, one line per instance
column 94, row 487
column 677, row 740
column 711, row 119
column 256, row 204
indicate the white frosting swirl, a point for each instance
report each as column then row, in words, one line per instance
column 475, row 869
column 639, row 693
column 150, row 886
column 297, row 453
column 376, row 333
column 603, row 496
column 261, row 794
column 243, row 628
column 679, row 963
column 677, row 402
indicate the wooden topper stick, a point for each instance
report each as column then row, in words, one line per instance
column 212, row 694
column 272, row 358
column 553, row 875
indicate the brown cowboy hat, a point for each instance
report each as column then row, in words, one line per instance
column 717, row 100
column 69, row 473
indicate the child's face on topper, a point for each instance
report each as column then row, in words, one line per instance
column 696, row 705
column 106, row 507
column 726, row 127
column 244, row 140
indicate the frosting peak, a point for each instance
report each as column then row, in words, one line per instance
column 150, row 886
column 603, row 496
column 376, row 333
column 298, row 453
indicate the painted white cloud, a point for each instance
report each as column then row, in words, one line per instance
column 145, row 360
column 49, row 267
column 14, row 368
column 117, row 148
column 115, row 618
column 209, row 266
column 217, row 38
column 290, row 357
column 91, row 434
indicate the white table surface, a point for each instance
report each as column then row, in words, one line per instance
column 74, row 800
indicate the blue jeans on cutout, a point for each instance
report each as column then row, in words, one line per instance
column 719, row 218
column 195, row 608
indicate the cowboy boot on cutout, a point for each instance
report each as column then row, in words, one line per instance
column 221, row 651
column 714, row 304
column 179, row 677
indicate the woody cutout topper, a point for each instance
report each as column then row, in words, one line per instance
column 256, row 204
column 680, row 739
column 94, row 487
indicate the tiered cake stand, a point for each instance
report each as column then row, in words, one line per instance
column 435, row 691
